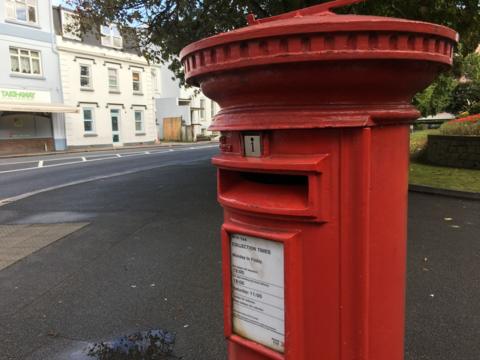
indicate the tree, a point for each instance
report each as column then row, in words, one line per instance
column 437, row 97
column 471, row 67
column 466, row 98
column 170, row 25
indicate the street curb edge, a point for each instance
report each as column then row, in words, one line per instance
column 444, row 192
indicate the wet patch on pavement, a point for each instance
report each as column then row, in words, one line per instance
column 144, row 345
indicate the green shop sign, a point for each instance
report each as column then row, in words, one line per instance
column 18, row 95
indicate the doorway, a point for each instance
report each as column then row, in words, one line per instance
column 115, row 117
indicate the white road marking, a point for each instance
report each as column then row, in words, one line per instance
column 89, row 159
column 12, row 199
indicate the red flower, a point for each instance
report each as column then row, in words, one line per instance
column 471, row 118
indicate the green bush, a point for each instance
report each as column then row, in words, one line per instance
column 475, row 108
column 464, row 96
column 461, row 128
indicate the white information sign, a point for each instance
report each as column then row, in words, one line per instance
column 258, row 294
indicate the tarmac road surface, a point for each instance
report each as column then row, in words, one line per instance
column 145, row 254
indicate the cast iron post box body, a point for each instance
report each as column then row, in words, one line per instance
column 313, row 177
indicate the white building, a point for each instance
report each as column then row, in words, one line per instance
column 31, row 104
column 182, row 113
column 109, row 82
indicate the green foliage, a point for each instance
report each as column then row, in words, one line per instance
column 465, row 98
column 418, row 142
column 471, row 67
column 463, row 115
column 437, row 97
column 170, row 25
column 475, row 108
column 461, row 128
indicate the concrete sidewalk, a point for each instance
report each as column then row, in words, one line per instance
column 110, row 148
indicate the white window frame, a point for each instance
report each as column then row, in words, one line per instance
column 139, row 91
column 111, row 36
column 142, row 121
column 89, row 76
column 31, row 59
column 11, row 7
column 117, row 80
column 92, row 120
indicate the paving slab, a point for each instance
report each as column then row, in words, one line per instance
column 22, row 240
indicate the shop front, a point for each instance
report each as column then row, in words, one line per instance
column 30, row 123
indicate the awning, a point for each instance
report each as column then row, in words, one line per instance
column 38, row 108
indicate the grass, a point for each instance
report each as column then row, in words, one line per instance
column 418, row 140
column 444, row 177
column 438, row 176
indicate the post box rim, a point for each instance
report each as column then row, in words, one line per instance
column 320, row 24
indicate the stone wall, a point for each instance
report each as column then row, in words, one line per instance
column 454, row 151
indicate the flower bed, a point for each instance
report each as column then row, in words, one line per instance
column 471, row 118
column 467, row 126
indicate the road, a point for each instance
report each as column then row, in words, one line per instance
column 20, row 176
column 147, row 256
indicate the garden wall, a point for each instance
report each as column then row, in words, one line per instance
column 454, row 151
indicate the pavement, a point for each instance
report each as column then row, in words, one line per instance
column 163, row 144
column 147, row 256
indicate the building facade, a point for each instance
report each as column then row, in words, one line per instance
column 183, row 114
column 31, row 103
column 112, row 86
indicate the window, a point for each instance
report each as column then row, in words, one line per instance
column 88, row 120
column 137, row 81
column 111, row 36
column 85, row 76
column 23, row 61
column 113, row 79
column 70, row 25
column 22, row 10
column 202, row 109
column 139, row 125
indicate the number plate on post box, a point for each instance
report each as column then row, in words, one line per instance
column 258, row 299
column 252, row 145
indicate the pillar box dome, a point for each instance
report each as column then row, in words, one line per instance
column 312, row 59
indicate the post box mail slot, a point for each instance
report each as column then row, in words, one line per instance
column 291, row 188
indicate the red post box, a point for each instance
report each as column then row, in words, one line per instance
column 313, row 177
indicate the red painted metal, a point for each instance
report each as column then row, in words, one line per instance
column 329, row 95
